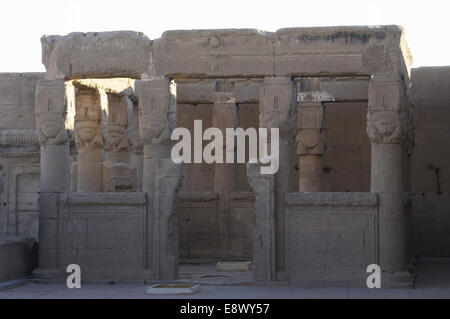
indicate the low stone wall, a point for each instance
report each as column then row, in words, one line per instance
column 331, row 237
column 105, row 234
column 18, row 257
column 201, row 230
column 198, row 226
column 242, row 224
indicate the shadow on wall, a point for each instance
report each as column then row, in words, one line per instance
column 431, row 161
column 18, row 257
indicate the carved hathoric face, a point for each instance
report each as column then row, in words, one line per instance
column 50, row 124
column 384, row 126
column 50, row 129
column 113, row 135
column 86, row 131
column 154, row 127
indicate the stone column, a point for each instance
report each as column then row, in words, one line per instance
column 162, row 177
column 277, row 110
column 136, row 147
column 88, row 140
column 387, row 127
column 224, row 116
column 118, row 174
column 311, row 136
column 115, row 127
column 54, row 176
column 264, row 262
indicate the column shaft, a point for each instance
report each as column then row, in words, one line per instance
column 224, row 116
column 277, row 111
column 54, row 175
column 311, row 136
column 386, row 123
column 311, row 173
column 89, row 170
column 162, row 178
column 264, row 258
column 115, row 126
column 54, row 168
column 89, row 140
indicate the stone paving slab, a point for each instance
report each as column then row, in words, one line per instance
column 129, row 291
column 433, row 281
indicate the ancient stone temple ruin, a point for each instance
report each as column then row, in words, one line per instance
column 364, row 162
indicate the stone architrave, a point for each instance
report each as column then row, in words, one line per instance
column 54, row 175
column 312, row 134
column 388, row 128
column 162, row 177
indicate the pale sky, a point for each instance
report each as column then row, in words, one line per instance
column 22, row 23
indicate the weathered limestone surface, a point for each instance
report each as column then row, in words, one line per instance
column 52, row 135
column 105, row 234
column 115, row 129
column 277, row 110
column 89, row 140
column 54, row 175
column 346, row 163
column 229, row 52
column 116, row 147
column 162, row 177
column 264, row 233
column 355, row 65
column 201, row 91
column 17, row 94
column 347, row 160
column 185, row 52
column 198, row 220
column 312, row 134
column 299, row 51
column 96, row 54
column 118, row 174
column 19, row 155
column 242, row 224
column 224, row 116
column 388, row 124
column 18, row 257
column 136, row 147
column 332, row 237
column 197, row 176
